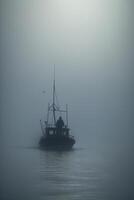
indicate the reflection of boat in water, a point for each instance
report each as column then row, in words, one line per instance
column 56, row 135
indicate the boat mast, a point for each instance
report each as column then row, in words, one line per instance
column 67, row 114
column 54, row 98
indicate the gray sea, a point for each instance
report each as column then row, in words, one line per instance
column 82, row 173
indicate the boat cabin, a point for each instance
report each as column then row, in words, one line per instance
column 58, row 132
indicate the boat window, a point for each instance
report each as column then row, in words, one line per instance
column 50, row 132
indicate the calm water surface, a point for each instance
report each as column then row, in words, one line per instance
column 82, row 173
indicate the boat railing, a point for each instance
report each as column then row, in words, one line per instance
column 54, row 126
column 71, row 136
column 50, row 126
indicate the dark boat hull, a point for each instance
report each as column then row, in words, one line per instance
column 56, row 142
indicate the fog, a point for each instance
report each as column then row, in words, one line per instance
column 91, row 44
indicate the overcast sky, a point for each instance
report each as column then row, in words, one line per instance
column 91, row 44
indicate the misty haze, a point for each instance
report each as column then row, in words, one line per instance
column 91, row 44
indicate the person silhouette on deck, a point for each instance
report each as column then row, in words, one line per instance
column 59, row 123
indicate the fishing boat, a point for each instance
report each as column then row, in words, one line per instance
column 56, row 132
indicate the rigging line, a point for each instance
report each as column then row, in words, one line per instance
column 58, row 104
column 54, row 97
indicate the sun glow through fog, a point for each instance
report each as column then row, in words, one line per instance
column 80, row 10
